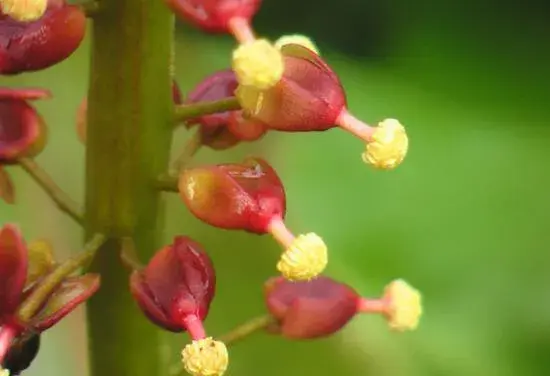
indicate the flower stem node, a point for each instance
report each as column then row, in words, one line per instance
column 388, row 147
column 24, row 10
column 205, row 357
column 405, row 306
column 298, row 39
column 258, row 64
column 304, row 259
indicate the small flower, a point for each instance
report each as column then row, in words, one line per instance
column 309, row 97
column 21, row 267
column 205, row 357
column 323, row 306
column 39, row 44
column 250, row 196
column 298, row 39
column 312, row 309
column 24, row 10
column 222, row 130
column 388, row 147
column 22, row 129
column 220, row 16
column 176, row 287
column 258, row 64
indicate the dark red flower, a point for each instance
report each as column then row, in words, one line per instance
column 21, row 267
column 246, row 196
column 36, row 45
column 225, row 129
column 217, row 16
column 177, row 286
column 22, row 129
column 312, row 309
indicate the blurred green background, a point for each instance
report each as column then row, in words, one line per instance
column 465, row 219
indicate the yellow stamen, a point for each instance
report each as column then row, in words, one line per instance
column 205, row 357
column 304, row 259
column 258, row 64
column 405, row 306
column 388, row 147
column 24, row 10
column 301, row 40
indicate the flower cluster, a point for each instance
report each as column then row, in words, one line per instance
column 25, row 269
column 281, row 86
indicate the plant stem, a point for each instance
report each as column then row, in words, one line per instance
column 90, row 7
column 191, row 148
column 45, row 287
column 189, row 111
column 60, row 198
column 131, row 109
column 244, row 330
column 167, row 183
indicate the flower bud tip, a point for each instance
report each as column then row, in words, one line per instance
column 304, row 259
column 301, row 40
column 405, row 306
column 258, row 64
column 24, row 10
column 388, row 147
column 205, row 357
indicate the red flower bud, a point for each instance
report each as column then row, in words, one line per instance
column 22, row 129
column 13, row 269
column 32, row 46
column 218, row 16
column 225, row 129
column 176, row 288
column 246, row 196
column 312, row 309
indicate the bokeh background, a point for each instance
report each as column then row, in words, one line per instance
column 465, row 219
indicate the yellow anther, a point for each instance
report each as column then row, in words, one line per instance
column 304, row 259
column 302, row 40
column 24, row 10
column 205, row 357
column 258, row 64
column 405, row 306
column 388, row 147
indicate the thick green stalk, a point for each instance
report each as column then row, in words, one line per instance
column 130, row 121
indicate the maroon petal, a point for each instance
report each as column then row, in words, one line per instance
column 13, row 268
column 7, row 189
column 28, row 93
column 214, row 15
column 149, row 306
column 312, row 309
column 179, row 281
column 69, row 295
column 22, row 130
column 32, row 46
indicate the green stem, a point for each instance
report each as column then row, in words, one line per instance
column 90, row 7
column 189, row 111
column 130, row 107
column 246, row 329
column 167, row 183
column 58, row 196
column 45, row 287
column 191, row 148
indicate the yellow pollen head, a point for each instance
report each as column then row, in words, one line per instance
column 24, row 10
column 301, row 40
column 205, row 357
column 388, row 147
column 258, row 64
column 304, row 259
column 405, row 306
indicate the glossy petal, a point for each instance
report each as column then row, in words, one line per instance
column 37, row 45
column 178, row 281
column 242, row 196
column 309, row 97
column 312, row 309
column 69, row 295
column 7, row 189
column 22, row 129
column 13, row 268
column 214, row 15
